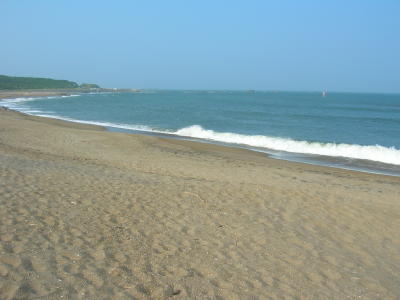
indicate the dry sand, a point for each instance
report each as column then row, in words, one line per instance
column 89, row 214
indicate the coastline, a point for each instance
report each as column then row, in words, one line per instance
column 34, row 93
column 88, row 213
column 340, row 162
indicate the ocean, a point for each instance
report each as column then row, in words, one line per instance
column 345, row 130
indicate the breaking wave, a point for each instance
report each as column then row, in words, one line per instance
column 389, row 155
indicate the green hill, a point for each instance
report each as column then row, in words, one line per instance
column 19, row 83
column 89, row 86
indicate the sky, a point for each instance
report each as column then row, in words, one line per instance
column 334, row 45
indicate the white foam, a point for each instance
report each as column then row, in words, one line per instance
column 389, row 155
column 4, row 102
column 18, row 103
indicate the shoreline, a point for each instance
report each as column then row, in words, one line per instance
column 197, row 144
column 37, row 93
column 88, row 213
column 336, row 162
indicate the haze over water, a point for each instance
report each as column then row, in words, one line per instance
column 290, row 125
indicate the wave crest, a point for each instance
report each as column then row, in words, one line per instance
column 389, row 155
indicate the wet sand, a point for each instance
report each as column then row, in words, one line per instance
column 90, row 214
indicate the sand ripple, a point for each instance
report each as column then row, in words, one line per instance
column 143, row 218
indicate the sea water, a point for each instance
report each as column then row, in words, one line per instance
column 347, row 130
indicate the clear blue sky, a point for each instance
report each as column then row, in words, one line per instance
column 338, row 45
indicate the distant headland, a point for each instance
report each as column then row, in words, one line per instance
column 11, row 87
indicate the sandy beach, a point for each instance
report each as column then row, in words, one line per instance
column 5, row 94
column 90, row 214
